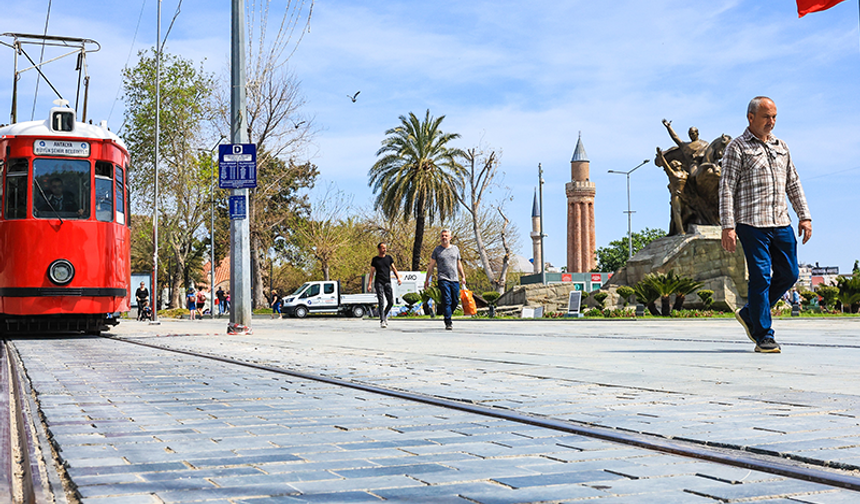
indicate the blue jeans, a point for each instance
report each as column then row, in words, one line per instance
column 771, row 255
column 450, row 297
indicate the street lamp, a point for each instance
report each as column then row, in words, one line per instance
column 211, row 152
column 629, row 212
column 542, row 257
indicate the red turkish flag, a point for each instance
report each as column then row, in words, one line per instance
column 804, row 7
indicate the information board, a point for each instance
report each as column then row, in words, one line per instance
column 238, row 208
column 237, row 166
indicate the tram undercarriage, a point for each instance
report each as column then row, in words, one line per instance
column 66, row 323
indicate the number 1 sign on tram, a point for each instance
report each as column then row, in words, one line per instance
column 237, row 166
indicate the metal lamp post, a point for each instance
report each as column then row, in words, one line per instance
column 540, row 202
column 629, row 212
column 212, row 229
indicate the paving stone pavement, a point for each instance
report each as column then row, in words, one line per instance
column 142, row 425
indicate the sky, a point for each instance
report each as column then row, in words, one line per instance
column 525, row 79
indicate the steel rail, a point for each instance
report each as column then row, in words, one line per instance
column 725, row 455
column 18, row 476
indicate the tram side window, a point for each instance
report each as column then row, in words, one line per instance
column 120, row 195
column 104, row 191
column 61, row 188
column 16, row 189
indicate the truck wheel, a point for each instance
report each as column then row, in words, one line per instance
column 358, row 311
column 301, row 312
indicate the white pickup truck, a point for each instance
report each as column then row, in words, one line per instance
column 326, row 297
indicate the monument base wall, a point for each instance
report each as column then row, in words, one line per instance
column 698, row 255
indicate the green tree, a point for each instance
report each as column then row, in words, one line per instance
column 829, row 295
column 184, row 174
column 418, row 175
column 614, row 256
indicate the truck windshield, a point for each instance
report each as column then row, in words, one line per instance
column 312, row 291
column 299, row 290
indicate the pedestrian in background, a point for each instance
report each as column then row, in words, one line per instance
column 275, row 304
column 381, row 267
column 191, row 303
column 222, row 301
column 447, row 261
column 142, row 296
column 757, row 176
column 200, row 302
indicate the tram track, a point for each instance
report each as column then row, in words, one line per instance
column 785, row 465
column 26, row 477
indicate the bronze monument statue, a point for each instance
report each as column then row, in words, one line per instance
column 693, row 169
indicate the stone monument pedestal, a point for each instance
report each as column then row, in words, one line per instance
column 698, row 255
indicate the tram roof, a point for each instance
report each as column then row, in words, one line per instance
column 42, row 129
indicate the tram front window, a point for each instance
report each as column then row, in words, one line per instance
column 61, row 188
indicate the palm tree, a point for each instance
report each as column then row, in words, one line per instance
column 418, row 175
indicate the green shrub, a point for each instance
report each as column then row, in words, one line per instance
column 411, row 299
column 594, row 312
column 707, row 297
column 662, row 286
column 491, row 297
column 625, row 292
column 600, row 298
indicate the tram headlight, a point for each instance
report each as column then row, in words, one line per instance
column 61, row 272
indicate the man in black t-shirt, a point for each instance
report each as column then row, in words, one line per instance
column 381, row 267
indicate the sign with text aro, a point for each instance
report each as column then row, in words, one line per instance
column 238, row 207
column 237, row 166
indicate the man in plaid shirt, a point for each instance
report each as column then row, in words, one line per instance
column 757, row 175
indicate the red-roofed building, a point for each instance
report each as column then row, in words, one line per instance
column 222, row 274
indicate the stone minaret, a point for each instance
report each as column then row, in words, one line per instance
column 536, row 231
column 580, row 213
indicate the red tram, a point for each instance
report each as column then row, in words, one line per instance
column 64, row 235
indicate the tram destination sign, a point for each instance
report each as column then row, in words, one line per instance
column 237, row 166
column 73, row 148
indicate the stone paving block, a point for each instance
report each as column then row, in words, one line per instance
column 96, row 462
column 757, row 490
column 232, row 460
column 406, row 470
column 670, row 497
column 262, row 478
column 572, row 477
column 129, row 499
column 350, row 455
column 342, row 497
column 654, row 485
column 504, row 495
column 208, row 473
column 442, row 494
column 125, row 468
column 143, row 487
column 230, row 494
column 105, row 479
column 831, row 497
column 343, row 485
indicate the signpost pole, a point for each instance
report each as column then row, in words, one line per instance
column 240, row 231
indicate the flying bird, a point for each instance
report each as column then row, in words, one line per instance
column 297, row 124
column 353, row 97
